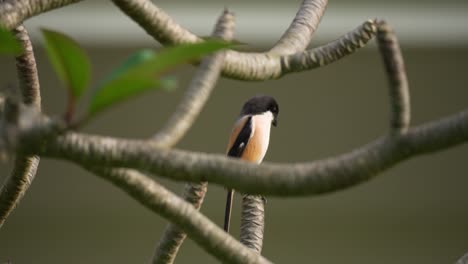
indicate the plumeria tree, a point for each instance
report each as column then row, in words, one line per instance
column 134, row 165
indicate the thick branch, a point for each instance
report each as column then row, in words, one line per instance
column 161, row 201
column 179, row 123
column 14, row 12
column 271, row 179
column 25, row 166
column 394, row 65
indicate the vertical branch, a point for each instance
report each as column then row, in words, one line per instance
column 252, row 221
column 25, row 167
column 27, row 71
column 180, row 122
column 394, row 65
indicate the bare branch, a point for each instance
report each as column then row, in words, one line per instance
column 181, row 120
column 238, row 65
column 14, row 12
column 303, row 27
column 199, row 90
column 331, row 52
column 310, row 178
column 161, row 201
column 166, row 30
column 394, row 65
column 173, row 236
column 25, row 167
column 252, row 221
column 27, row 70
column 17, row 184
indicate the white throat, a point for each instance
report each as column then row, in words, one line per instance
column 262, row 131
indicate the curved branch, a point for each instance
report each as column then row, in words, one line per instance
column 27, row 70
column 161, row 201
column 300, row 32
column 167, row 31
column 399, row 92
column 179, row 123
column 16, row 185
column 25, row 166
column 238, row 65
column 199, row 90
column 14, row 12
column 331, row 52
column 310, row 178
column 252, row 221
column 173, row 236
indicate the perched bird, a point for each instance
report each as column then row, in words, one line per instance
column 250, row 136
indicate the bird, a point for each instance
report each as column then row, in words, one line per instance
column 250, row 137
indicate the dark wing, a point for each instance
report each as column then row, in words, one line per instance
column 242, row 139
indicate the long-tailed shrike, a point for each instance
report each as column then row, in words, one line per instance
column 250, row 136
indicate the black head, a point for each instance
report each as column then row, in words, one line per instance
column 260, row 104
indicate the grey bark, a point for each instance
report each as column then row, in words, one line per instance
column 25, row 166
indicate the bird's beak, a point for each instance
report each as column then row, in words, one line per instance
column 275, row 121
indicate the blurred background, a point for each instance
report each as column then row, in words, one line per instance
column 416, row 212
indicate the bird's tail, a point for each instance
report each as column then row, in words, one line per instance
column 227, row 212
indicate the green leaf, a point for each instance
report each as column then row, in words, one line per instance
column 141, row 70
column 70, row 61
column 132, row 61
column 8, row 43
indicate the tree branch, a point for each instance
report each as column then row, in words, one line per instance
column 14, row 12
column 300, row 32
column 173, row 236
column 299, row 179
column 199, row 90
column 252, row 222
column 331, row 52
column 161, row 201
column 394, row 65
column 25, row 166
column 179, row 123
column 238, row 65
